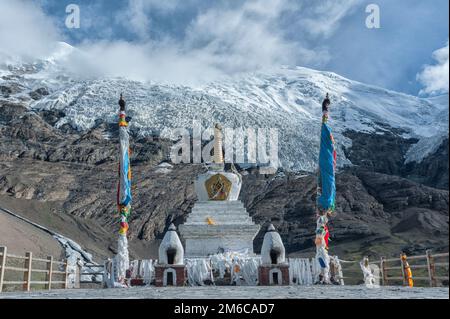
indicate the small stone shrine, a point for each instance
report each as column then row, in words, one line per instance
column 274, row 270
column 170, row 269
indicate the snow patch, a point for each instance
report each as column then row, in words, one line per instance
column 425, row 147
column 164, row 168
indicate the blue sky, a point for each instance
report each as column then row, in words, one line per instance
column 236, row 36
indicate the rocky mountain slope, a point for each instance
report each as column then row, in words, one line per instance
column 287, row 99
column 74, row 174
column 58, row 157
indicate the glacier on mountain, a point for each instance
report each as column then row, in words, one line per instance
column 288, row 99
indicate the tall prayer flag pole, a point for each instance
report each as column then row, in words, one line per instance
column 326, row 192
column 123, row 193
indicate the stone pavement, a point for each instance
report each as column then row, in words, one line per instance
column 242, row 292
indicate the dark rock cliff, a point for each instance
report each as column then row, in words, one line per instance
column 379, row 210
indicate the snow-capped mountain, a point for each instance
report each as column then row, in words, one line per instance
column 288, row 99
column 386, row 203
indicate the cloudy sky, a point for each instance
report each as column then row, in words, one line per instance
column 186, row 40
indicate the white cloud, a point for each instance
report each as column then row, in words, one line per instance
column 164, row 6
column 136, row 19
column 247, row 37
column 137, row 16
column 159, row 62
column 323, row 18
column 25, row 31
column 221, row 39
column 435, row 77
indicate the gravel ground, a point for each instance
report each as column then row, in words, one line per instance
column 230, row 292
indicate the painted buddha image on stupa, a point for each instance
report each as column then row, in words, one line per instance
column 218, row 187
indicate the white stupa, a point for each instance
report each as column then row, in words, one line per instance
column 171, row 250
column 219, row 221
column 272, row 251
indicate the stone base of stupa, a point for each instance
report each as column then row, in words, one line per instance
column 170, row 275
column 218, row 226
column 269, row 275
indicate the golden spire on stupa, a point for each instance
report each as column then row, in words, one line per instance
column 218, row 155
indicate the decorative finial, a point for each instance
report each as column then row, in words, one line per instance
column 122, row 117
column 172, row 227
column 218, row 155
column 326, row 103
column 121, row 103
column 271, row 228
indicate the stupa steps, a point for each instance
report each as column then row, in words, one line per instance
column 225, row 204
column 221, row 213
column 222, row 231
column 221, row 216
column 218, row 207
column 209, row 212
column 220, row 222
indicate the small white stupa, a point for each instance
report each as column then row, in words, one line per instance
column 272, row 251
column 171, row 250
column 170, row 269
column 274, row 270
